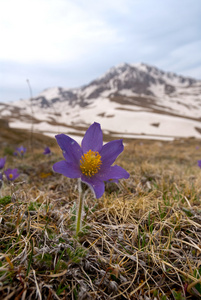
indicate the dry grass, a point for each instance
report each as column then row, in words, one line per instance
column 141, row 240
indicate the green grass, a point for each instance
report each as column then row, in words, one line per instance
column 141, row 240
column 5, row 200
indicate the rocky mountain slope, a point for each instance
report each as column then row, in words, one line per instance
column 129, row 100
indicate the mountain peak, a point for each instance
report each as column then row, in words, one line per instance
column 133, row 80
column 129, row 98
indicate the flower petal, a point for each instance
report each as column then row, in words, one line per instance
column 13, row 172
column 72, row 151
column 112, row 173
column 93, row 138
column 2, row 162
column 110, row 151
column 67, row 169
column 97, row 186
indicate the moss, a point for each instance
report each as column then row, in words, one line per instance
column 5, row 200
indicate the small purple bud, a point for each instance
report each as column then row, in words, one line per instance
column 47, row 151
column 21, row 150
column 2, row 162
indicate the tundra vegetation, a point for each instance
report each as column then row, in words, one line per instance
column 140, row 240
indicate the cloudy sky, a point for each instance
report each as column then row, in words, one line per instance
column 68, row 43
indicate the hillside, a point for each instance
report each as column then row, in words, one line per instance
column 129, row 100
column 10, row 138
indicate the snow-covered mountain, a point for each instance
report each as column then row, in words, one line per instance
column 129, row 100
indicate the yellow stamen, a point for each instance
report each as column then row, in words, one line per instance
column 90, row 163
column 10, row 176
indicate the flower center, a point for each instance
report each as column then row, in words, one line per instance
column 10, row 176
column 90, row 163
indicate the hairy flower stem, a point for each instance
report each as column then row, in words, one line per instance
column 82, row 189
column 1, row 186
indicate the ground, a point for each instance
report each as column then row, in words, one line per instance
column 140, row 240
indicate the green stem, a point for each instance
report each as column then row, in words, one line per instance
column 82, row 189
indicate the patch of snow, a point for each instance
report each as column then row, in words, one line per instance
column 157, row 90
column 77, row 138
column 5, row 112
column 89, row 90
column 50, row 93
column 128, row 93
column 144, row 137
column 107, row 93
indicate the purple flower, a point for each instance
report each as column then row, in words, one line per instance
column 92, row 162
column 199, row 163
column 21, row 150
column 47, row 151
column 2, row 162
column 11, row 174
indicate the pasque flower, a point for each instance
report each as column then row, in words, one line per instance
column 11, row 174
column 92, row 162
column 2, row 162
column 199, row 163
column 47, row 151
column 21, row 150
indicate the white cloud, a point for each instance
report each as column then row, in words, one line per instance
column 42, row 30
